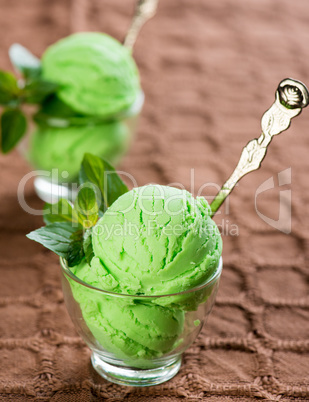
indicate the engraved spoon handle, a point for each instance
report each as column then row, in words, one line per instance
column 144, row 10
column 291, row 97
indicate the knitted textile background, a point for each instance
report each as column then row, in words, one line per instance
column 209, row 70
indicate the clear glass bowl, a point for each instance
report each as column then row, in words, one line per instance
column 55, row 149
column 137, row 340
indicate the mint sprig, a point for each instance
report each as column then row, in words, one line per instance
column 99, row 172
column 14, row 93
column 13, row 127
column 56, row 237
column 9, row 90
column 86, row 206
column 68, row 230
column 87, row 246
column 75, row 252
column 62, row 211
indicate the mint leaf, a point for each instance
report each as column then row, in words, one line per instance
column 104, row 176
column 87, row 246
column 37, row 90
column 86, row 205
column 75, row 252
column 61, row 235
column 13, row 127
column 62, row 211
column 56, row 237
column 8, row 88
column 62, row 239
column 115, row 186
column 24, row 61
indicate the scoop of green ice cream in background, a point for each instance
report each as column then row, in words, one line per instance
column 97, row 79
column 97, row 75
column 64, row 147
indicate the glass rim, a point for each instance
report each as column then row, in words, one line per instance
column 216, row 275
column 135, row 107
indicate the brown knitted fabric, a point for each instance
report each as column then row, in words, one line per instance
column 209, row 70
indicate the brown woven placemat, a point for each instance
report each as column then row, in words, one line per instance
column 209, row 70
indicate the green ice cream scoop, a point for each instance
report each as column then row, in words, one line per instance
column 128, row 329
column 96, row 74
column 156, row 240
column 153, row 240
column 64, row 148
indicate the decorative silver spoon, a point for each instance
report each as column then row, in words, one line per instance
column 291, row 97
column 144, row 10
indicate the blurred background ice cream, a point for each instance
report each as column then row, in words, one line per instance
column 63, row 148
column 98, row 97
column 96, row 74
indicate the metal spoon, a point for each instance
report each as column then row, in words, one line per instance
column 291, row 97
column 144, row 10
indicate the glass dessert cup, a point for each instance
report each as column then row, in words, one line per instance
column 57, row 148
column 137, row 340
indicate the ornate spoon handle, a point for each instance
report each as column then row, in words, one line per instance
column 144, row 10
column 291, row 97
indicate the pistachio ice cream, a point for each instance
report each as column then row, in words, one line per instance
column 153, row 240
column 98, row 82
column 64, row 147
column 96, row 74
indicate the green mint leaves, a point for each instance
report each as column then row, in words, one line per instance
column 13, row 122
column 56, row 237
column 13, row 127
column 9, row 90
column 87, row 246
column 62, row 211
column 75, row 252
column 86, row 205
column 32, row 88
column 68, row 230
column 105, row 178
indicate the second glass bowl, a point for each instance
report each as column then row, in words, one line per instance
column 56, row 148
